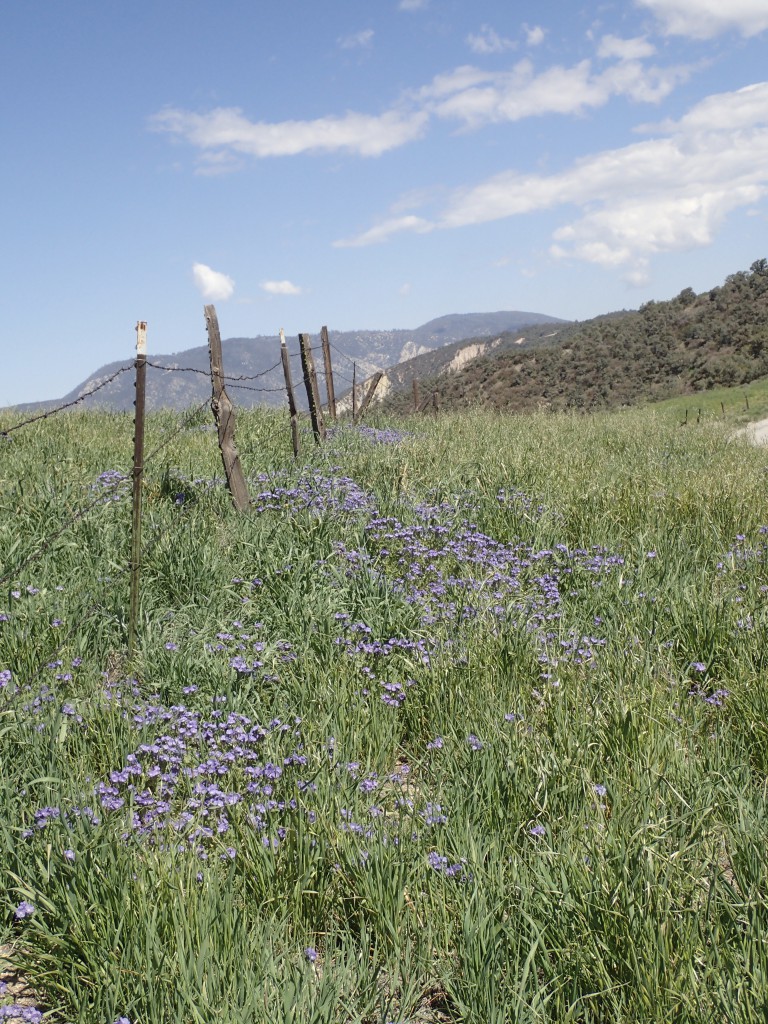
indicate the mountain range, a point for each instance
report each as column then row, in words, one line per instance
column 509, row 360
column 181, row 379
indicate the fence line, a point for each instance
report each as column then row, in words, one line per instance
column 66, row 405
column 207, row 373
column 45, row 543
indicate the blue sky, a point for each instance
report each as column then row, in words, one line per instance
column 364, row 164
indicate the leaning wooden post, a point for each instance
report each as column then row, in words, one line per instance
column 224, row 414
column 369, row 393
column 328, row 373
column 415, row 395
column 313, row 393
column 435, row 403
column 138, row 475
column 354, row 392
column 291, row 398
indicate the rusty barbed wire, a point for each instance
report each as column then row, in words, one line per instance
column 66, row 405
column 207, row 373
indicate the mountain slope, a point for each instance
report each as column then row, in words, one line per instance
column 690, row 343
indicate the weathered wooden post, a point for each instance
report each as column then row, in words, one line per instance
column 224, row 414
column 313, row 393
column 369, row 394
column 435, row 403
column 291, row 398
column 415, row 395
column 354, row 392
column 328, row 373
column 138, row 476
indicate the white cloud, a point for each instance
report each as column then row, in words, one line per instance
column 357, row 40
column 226, row 130
column 467, row 94
column 405, row 289
column 625, row 49
column 212, row 284
column 381, row 232
column 412, row 5
column 475, row 97
column 703, row 19
column 668, row 193
column 280, row 288
column 488, row 40
column 534, row 35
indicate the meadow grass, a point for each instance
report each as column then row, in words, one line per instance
column 464, row 720
column 739, row 404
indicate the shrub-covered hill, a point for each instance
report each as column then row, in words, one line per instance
column 687, row 344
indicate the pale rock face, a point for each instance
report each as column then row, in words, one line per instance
column 470, row 352
column 466, row 355
column 410, row 350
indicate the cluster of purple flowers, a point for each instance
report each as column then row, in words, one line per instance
column 314, row 491
column 376, row 435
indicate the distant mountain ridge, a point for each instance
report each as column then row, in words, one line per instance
column 259, row 358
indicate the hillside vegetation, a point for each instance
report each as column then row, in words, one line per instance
column 682, row 346
column 462, row 722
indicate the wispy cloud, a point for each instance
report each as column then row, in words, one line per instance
column 357, row 40
column 703, row 19
column 665, row 194
column 476, row 97
column 412, row 5
column 212, row 284
column 469, row 95
column 488, row 40
column 280, row 288
column 227, row 130
column 625, row 49
column 384, row 230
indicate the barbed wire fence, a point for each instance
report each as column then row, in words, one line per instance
column 97, row 591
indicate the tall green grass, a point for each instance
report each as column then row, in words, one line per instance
column 576, row 840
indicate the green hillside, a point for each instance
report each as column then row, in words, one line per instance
column 689, row 344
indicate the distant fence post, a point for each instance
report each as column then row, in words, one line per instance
column 328, row 373
column 313, row 393
column 369, row 394
column 224, row 414
column 138, row 476
column 354, row 392
column 435, row 403
column 291, row 398
column 415, row 384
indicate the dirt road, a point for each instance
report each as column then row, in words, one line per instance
column 757, row 432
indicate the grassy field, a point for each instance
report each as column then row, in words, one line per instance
column 463, row 721
column 735, row 406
